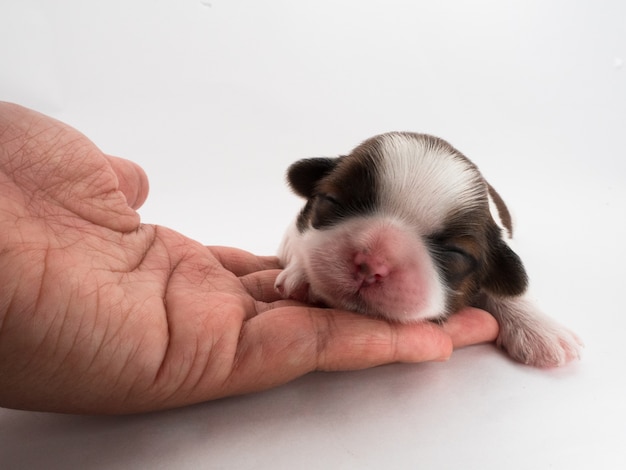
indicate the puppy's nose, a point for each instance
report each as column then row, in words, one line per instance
column 370, row 269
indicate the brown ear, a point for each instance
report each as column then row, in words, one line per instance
column 304, row 174
column 505, row 274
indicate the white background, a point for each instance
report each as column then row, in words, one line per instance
column 216, row 98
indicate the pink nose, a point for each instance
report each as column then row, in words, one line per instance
column 369, row 269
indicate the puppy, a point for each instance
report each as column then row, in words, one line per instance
column 405, row 227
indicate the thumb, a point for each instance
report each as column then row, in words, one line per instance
column 57, row 164
column 132, row 180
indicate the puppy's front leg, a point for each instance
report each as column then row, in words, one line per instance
column 292, row 282
column 530, row 336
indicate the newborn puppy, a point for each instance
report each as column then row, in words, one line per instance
column 406, row 228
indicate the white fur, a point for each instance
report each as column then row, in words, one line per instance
column 495, row 214
column 319, row 260
column 291, row 253
column 443, row 181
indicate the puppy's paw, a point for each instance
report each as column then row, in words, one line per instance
column 541, row 344
column 529, row 336
column 292, row 284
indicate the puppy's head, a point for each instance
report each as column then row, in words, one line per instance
column 403, row 227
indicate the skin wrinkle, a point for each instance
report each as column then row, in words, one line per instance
column 394, row 344
column 225, row 356
column 44, row 175
column 256, row 288
column 190, row 368
column 62, row 348
column 149, row 246
column 238, row 361
column 47, row 174
column 185, row 368
column 323, row 338
column 107, row 336
column 133, row 187
column 167, row 351
column 88, row 337
column 8, row 298
column 39, row 298
column 97, row 332
column 139, row 382
column 23, row 151
column 81, row 209
column 160, row 371
column 208, row 272
column 251, row 356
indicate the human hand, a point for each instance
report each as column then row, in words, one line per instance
column 102, row 314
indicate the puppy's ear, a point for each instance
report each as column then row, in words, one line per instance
column 505, row 274
column 304, row 174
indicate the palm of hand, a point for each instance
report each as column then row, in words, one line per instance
column 100, row 313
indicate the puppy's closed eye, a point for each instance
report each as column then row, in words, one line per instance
column 456, row 264
column 326, row 210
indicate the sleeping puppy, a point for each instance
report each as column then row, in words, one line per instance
column 406, row 228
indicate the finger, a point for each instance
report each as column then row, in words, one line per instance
column 133, row 181
column 352, row 341
column 266, row 306
column 260, row 285
column 280, row 345
column 241, row 262
column 471, row 326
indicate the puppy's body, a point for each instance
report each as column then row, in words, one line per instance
column 405, row 227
